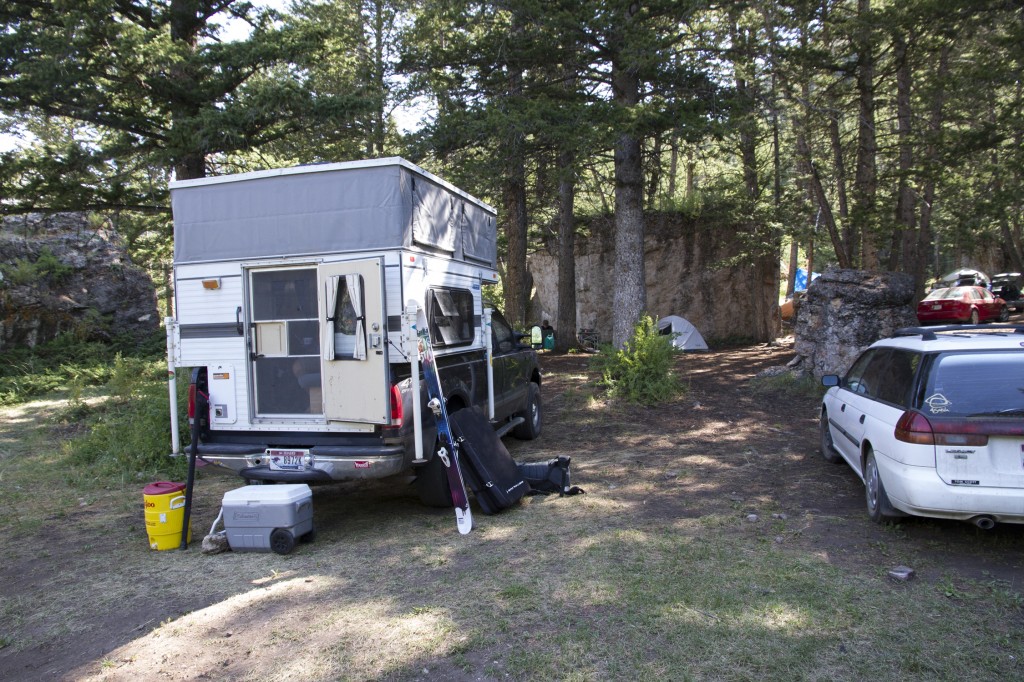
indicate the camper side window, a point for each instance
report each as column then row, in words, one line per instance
column 450, row 313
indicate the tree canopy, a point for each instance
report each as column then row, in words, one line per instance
column 869, row 133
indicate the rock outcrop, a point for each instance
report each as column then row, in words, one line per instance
column 845, row 311
column 64, row 273
column 693, row 269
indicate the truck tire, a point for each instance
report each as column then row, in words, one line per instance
column 431, row 484
column 530, row 428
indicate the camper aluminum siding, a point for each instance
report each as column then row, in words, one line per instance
column 333, row 208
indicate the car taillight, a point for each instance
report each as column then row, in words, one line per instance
column 914, row 427
column 397, row 408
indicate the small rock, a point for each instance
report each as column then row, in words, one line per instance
column 901, row 573
column 215, row 544
column 781, row 517
column 779, row 539
column 753, row 518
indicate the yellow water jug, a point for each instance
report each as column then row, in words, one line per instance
column 165, row 514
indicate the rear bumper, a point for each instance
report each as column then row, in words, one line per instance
column 920, row 491
column 324, row 463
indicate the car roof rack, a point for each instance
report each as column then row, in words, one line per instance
column 929, row 333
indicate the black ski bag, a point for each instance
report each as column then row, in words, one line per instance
column 489, row 469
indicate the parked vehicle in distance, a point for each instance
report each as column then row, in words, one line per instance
column 932, row 420
column 1007, row 286
column 964, row 277
column 971, row 305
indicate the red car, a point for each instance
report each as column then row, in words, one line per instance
column 962, row 304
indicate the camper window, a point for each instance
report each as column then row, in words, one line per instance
column 349, row 330
column 450, row 312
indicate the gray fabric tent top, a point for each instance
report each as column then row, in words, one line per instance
column 332, row 208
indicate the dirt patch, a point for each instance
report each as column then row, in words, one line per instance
column 81, row 596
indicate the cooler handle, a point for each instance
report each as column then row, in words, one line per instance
column 177, row 502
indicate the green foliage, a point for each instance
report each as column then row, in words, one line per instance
column 67, row 362
column 45, row 267
column 641, row 372
column 128, row 434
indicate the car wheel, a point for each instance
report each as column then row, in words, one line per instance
column 530, row 428
column 431, row 484
column 1004, row 314
column 974, row 317
column 879, row 508
column 282, row 541
column 828, row 449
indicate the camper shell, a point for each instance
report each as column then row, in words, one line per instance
column 296, row 294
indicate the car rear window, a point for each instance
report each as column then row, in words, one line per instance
column 979, row 383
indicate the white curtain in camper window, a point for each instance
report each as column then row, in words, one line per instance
column 348, row 326
column 355, row 291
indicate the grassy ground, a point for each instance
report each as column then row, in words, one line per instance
column 713, row 543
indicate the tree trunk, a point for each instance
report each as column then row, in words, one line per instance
column 187, row 20
column 630, row 297
column 865, row 182
column 905, row 214
column 565, row 326
column 794, row 263
column 655, row 179
column 935, row 120
column 629, row 300
column 514, row 284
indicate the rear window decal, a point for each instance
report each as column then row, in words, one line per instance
column 938, row 403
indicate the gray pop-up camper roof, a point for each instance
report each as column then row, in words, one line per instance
column 331, row 208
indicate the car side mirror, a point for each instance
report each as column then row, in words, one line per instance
column 830, row 380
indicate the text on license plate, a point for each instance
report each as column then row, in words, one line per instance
column 286, row 460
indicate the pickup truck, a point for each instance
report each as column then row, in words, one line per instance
column 297, row 456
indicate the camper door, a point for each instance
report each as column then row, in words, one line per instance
column 352, row 324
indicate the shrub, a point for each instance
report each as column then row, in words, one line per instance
column 641, row 372
column 46, row 266
column 129, row 434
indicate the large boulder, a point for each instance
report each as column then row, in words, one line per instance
column 69, row 273
column 694, row 269
column 844, row 312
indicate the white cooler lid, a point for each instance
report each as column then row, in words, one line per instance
column 284, row 493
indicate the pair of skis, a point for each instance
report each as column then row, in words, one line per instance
column 449, row 448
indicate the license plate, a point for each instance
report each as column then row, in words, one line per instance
column 286, row 460
column 937, row 306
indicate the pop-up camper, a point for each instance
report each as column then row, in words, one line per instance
column 296, row 294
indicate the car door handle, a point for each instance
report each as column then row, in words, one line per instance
column 842, row 408
column 861, row 420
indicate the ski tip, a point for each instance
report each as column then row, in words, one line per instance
column 464, row 521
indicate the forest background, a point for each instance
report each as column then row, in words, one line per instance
column 873, row 134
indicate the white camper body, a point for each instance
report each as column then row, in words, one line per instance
column 292, row 287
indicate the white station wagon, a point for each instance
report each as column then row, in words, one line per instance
column 932, row 420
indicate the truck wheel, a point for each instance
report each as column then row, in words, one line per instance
column 282, row 541
column 431, row 484
column 530, row 428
